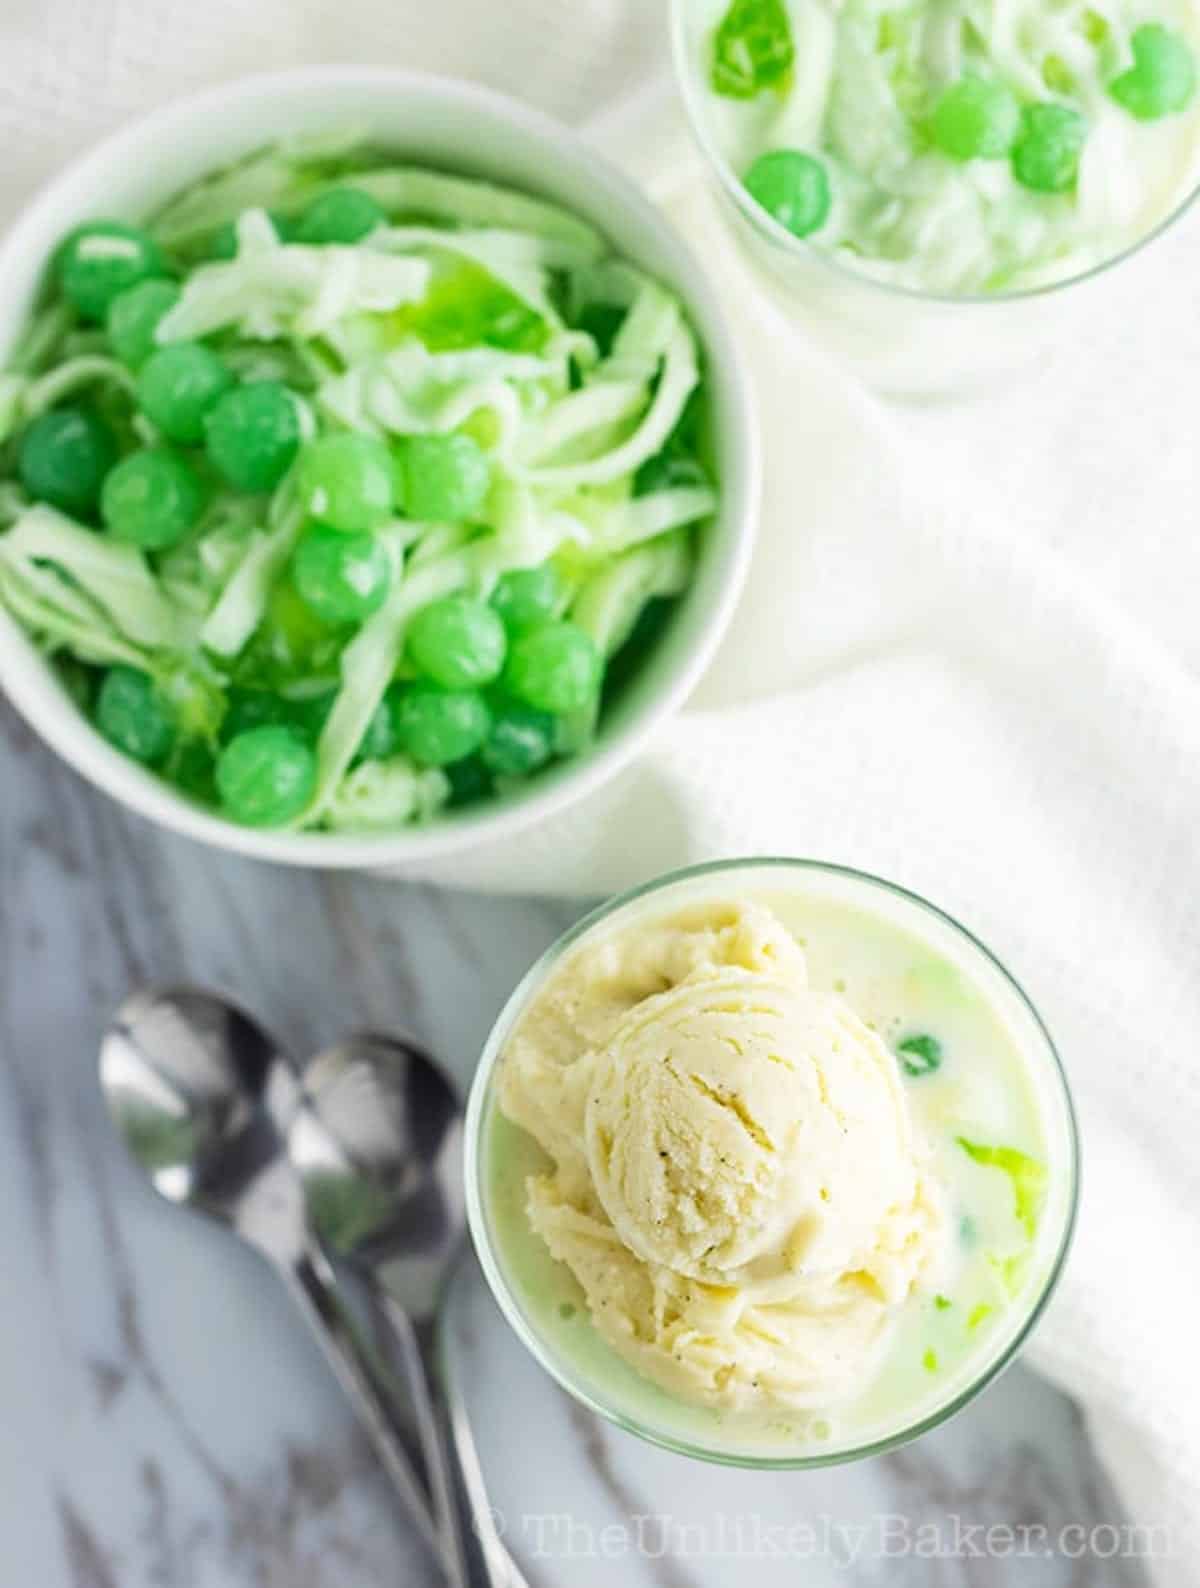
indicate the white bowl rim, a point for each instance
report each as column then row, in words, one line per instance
column 24, row 674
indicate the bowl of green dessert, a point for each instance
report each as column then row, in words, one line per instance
column 376, row 470
column 930, row 187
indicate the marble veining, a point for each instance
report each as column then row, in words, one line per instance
column 167, row 1421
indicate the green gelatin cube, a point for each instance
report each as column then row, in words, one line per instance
column 920, row 1055
column 976, row 119
column 1045, row 157
column 467, row 307
column 1162, row 80
column 752, row 49
column 1057, row 75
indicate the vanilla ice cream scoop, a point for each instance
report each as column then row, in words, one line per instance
column 737, row 1185
column 743, row 1128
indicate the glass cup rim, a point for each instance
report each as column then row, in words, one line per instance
column 801, row 249
column 478, row 1224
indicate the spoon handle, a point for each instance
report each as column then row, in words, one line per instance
column 478, row 1559
column 499, row 1567
column 430, row 1431
column 315, row 1287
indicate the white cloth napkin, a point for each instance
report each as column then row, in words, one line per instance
column 966, row 658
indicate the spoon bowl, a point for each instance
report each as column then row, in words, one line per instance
column 378, row 1147
column 195, row 1088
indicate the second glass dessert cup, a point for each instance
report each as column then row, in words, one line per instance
column 899, row 340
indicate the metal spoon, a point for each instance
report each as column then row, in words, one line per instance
column 204, row 1099
column 379, row 1149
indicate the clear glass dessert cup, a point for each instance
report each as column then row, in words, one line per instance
column 599, row 1390
column 900, row 340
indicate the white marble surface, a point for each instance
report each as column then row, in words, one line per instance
column 166, row 1423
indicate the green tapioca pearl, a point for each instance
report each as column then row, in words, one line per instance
column 63, row 458
column 343, row 578
column 266, row 776
column 1045, row 157
column 438, row 727
column 521, row 739
column 151, row 498
column 469, row 779
column 343, row 215
column 178, row 385
column 554, row 667
column 1162, row 79
column 348, row 481
column 102, row 259
column 458, row 642
column 526, row 597
column 253, row 435
column 132, row 715
column 134, row 316
column 976, row 119
column 793, row 188
column 446, row 478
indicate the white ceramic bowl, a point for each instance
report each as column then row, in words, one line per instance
column 464, row 128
